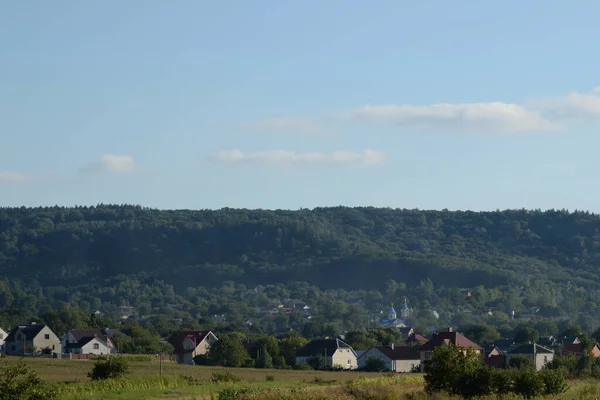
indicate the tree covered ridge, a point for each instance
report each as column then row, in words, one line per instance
column 328, row 247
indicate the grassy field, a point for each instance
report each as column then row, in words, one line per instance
column 192, row 382
column 182, row 381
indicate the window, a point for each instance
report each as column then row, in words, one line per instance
column 46, row 336
column 1, row 335
column 53, row 347
column 545, row 359
column 96, row 346
column 349, row 362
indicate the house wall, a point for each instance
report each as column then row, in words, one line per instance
column 344, row 358
column 3, row 336
column 542, row 359
column 373, row 352
column 406, row 365
column 539, row 360
column 89, row 347
column 47, row 338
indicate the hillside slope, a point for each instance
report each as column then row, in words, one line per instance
column 328, row 247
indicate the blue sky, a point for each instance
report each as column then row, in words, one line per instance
column 279, row 104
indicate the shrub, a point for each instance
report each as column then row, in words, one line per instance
column 520, row 362
column 449, row 365
column 375, row 364
column 528, row 383
column 474, row 383
column 318, row 362
column 270, row 378
column 109, row 368
column 19, row 382
column 555, row 381
column 223, row 377
column 2, row 355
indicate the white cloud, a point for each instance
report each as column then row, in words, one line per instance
column 573, row 106
column 8, row 176
column 480, row 117
column 112, row 163
column 288, row 158
column 282, row 124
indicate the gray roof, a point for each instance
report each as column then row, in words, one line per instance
column 531, row 349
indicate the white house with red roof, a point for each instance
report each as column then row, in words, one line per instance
column 190, row 344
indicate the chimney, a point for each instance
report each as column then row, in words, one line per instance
column 392, row 346
column 449, row 329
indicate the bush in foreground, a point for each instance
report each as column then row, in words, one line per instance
column 19, row 382
column 109, row 368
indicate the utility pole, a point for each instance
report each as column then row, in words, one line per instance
column 161, row 363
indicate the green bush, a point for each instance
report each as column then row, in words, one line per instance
column 528, row 383
column 19, row 382
column 375, row 364
column 224, row 376
column 555, row 381
column 520, row 362
column 270, row 378
column 109, row 368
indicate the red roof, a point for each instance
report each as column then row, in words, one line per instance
column 442, row 338
column 572, row 349
column 415, row 337
column 194, row 336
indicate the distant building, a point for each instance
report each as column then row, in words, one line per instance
column 32, row 339
column 444, row 339
column 576, row 349
column 90, row 341
column 337, row 353
column 3, row 336
column 190, row 344
column 539, row 355
column 397, row 359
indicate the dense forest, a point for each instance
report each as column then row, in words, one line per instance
column 202, row 263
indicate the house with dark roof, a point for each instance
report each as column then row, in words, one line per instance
column 32, row 339
column 494, row 357
column 576, row 349
column 3, row 336
column 190, row 344
column 90, row 341
column 504, row 345
column 445, row 339
column 406, row 331
column 396, row 358
column 539, row 355
column 337, row 353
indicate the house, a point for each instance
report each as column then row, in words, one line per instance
column 416, row 340
column 494, row 357
column 3, row 336
column 90, row 341
column 504, row 345
column 338, row 353
column 444, row 339
column 539, row 355
column 397, row 359
column 576, row 349
column 31, row 339
column 406, row 331
column 190, row 344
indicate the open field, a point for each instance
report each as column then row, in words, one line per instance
column 194, row 382
column 54, row 370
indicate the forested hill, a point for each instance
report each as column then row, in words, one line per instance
column 335, row 247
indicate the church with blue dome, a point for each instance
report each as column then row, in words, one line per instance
column 391, row 320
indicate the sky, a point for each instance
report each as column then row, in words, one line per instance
column 273, row 104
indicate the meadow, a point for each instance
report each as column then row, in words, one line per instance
column 194, row 382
